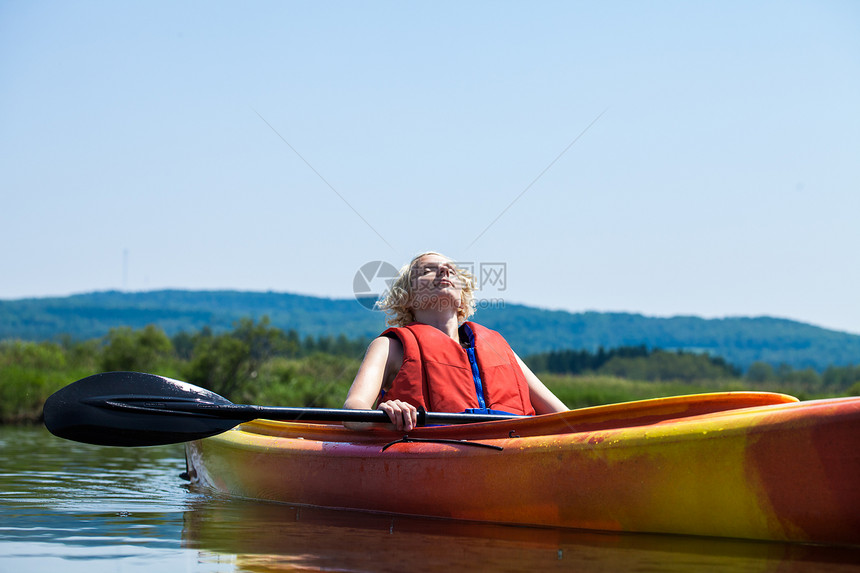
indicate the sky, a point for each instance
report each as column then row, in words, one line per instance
column 664, row 158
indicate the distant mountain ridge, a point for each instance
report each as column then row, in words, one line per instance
column 741, row 341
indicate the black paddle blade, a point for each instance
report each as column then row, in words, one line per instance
column 136, row 409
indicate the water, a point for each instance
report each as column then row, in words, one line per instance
column 76, row 508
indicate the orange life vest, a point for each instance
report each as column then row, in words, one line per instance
column 439, row 375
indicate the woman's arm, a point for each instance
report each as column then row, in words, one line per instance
column 543, row 400
column 381, row 363
column 371, row 375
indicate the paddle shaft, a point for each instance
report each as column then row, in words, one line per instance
column 246, row 412
column 136, row 409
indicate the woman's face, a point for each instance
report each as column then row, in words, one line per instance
column 435, row 283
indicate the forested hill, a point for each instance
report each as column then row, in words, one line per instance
column 741, row 341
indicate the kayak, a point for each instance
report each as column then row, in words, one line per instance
column 746, row 465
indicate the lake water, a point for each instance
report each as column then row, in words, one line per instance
column 75, row 508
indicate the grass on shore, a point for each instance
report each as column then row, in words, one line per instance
column 323, row 381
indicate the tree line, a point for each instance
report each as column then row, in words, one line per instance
column 655, row 364
column 639, row 362
column 258, row 363
column 253, row 362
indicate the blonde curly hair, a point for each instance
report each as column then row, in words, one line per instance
column 398, row 301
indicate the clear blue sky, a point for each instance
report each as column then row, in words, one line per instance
column 722, row 178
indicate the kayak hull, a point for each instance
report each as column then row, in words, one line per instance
column 743, row 465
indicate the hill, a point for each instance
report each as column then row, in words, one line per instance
column 741, row 341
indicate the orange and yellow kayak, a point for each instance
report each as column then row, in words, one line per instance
column 739, row 464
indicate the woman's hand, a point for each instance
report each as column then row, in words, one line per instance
column 404, row 416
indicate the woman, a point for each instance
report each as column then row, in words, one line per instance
column 436, row 360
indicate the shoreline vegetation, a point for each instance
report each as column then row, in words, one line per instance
column 257, row 363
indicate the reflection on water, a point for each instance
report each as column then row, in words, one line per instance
column 270, row 537
column 72, row 507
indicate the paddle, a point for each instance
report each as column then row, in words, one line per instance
column 136, row 409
